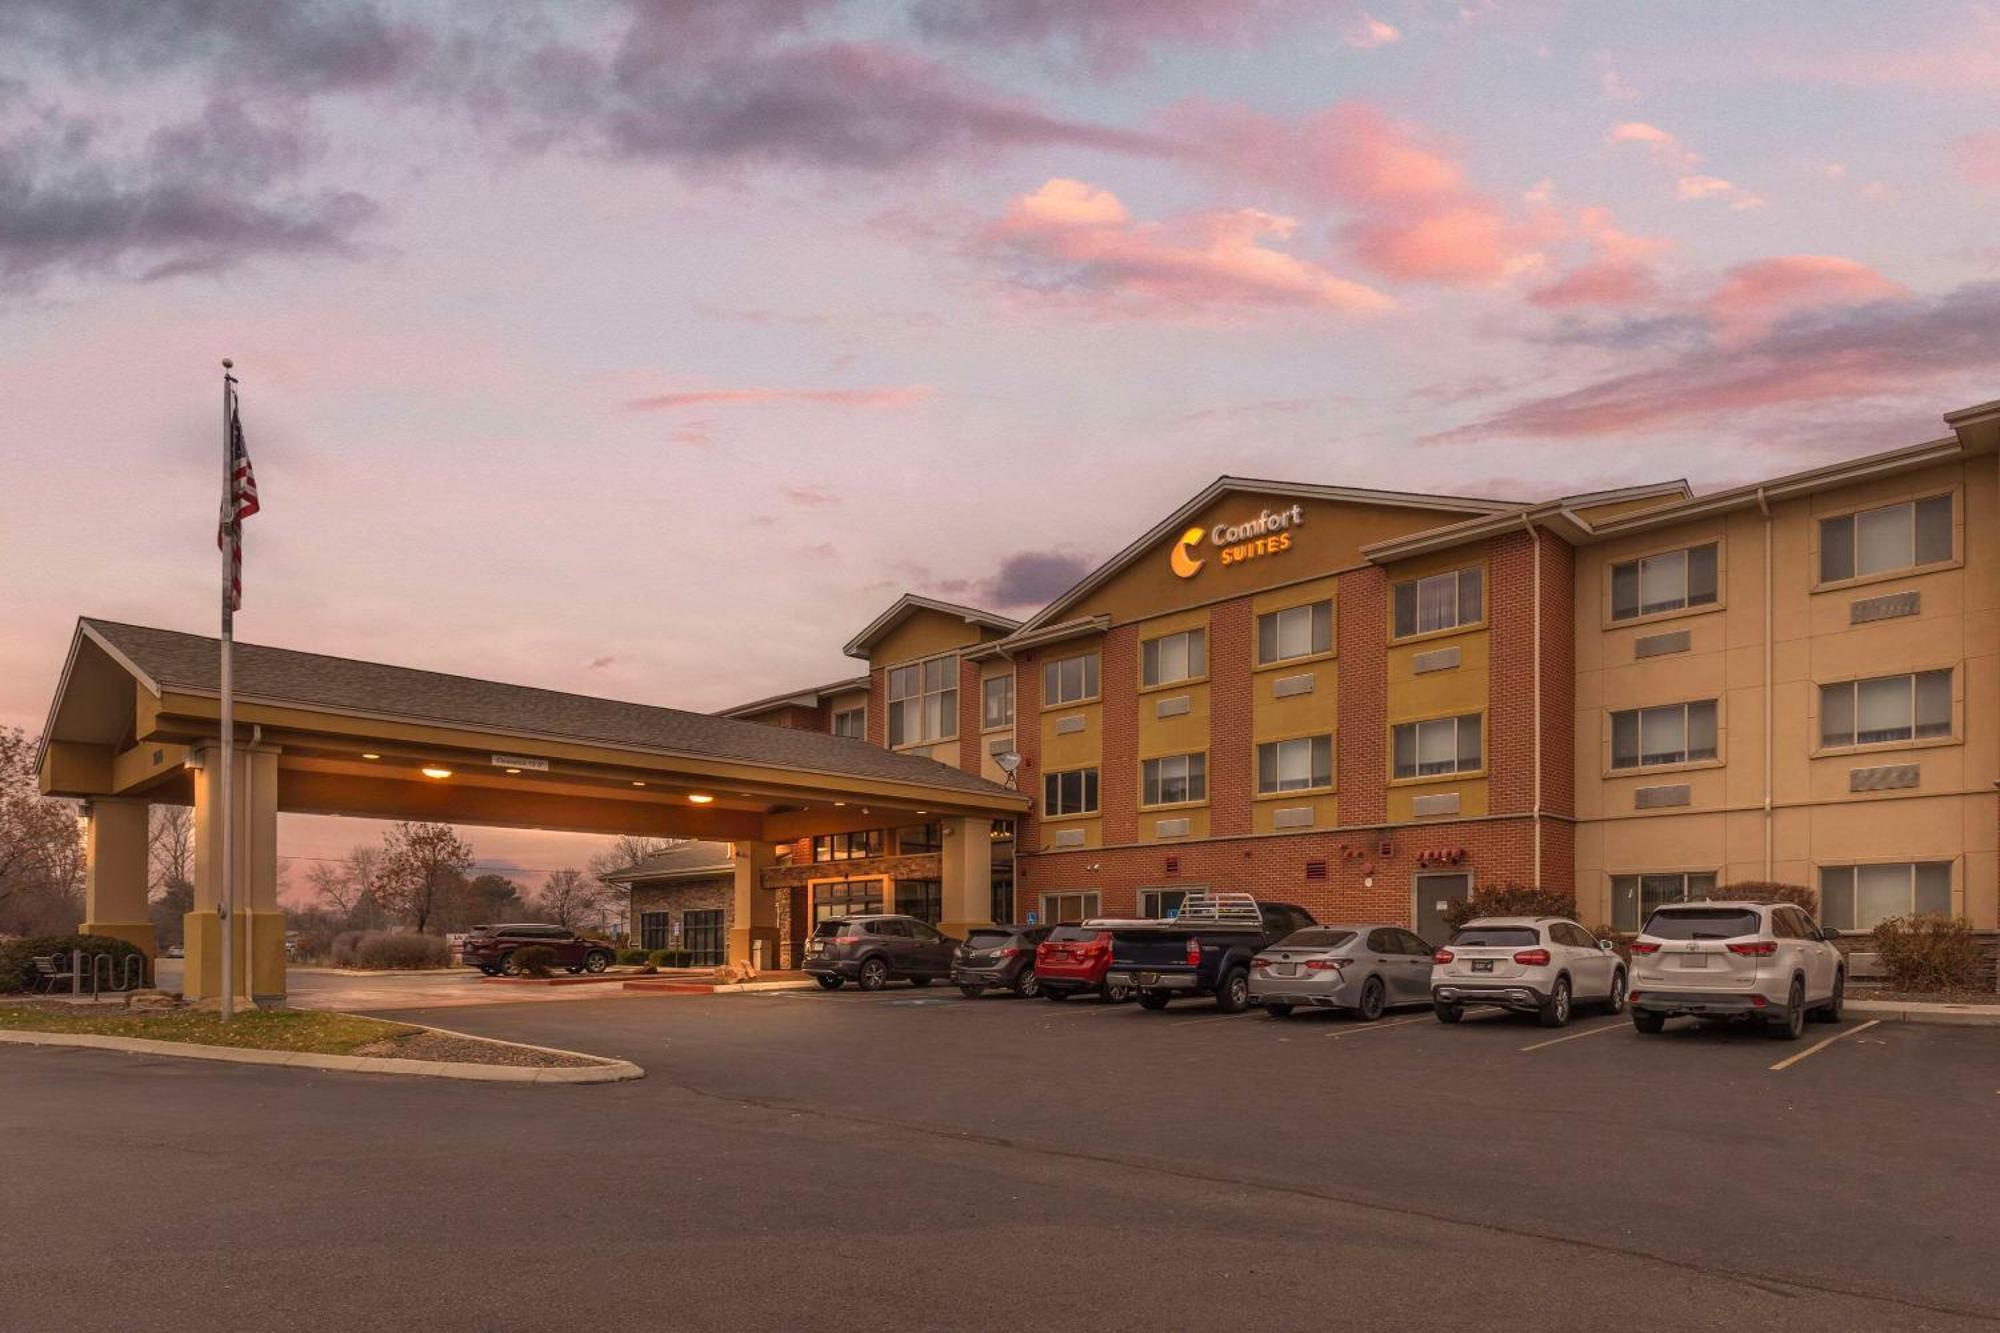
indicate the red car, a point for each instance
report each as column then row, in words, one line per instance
column 1073, row 960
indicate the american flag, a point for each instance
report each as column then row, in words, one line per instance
column 239, row 501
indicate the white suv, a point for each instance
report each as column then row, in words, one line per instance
column 1543, row 965
column 1765, row 961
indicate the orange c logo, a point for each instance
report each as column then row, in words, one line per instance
column 1184, row 566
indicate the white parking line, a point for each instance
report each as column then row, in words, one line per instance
column 1576, row 1036
column 1817, row 1046
column 1379, row 1026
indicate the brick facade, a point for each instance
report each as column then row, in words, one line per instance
column 1118, row 768
column 678, row 899
column 1361, row 761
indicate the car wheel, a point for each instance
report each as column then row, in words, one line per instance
column 1648, row 1022
column 1117, row 994
column 1447, row 1012
column 573, row 971
column 1830, row 1011
column 1057, row 995
column 1027, row 985
column 874, row 974
column 972, row 992
column 1233, row 996
column 919, row 982
column 509, row 967
column 1615, row 1002
column 596, row 961
column 1153, row 999
column 829, row 982
column 1374, row 998
column 1555, row 1009
column 1278, row 1010
column 1788, row 1025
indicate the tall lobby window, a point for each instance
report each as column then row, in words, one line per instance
column 1296, row 631
column 1669, row 581
column 1173, row 779
column 1633, row 897
column 1172, row 657
column 653, row 929
column 847, row 846
column 1877, row 541
column 851, row 722
column 1002, row 839
column 920, row 898
column 847, row 897
column 1071, row 793
column 1441, row 601
column 1671, row 734
column 923, row 702
column 1862, row 897
column 704, row 937
column 1295, row 765
column 1070, row 680
column 919, row 839
column 1440, row 745
column 1885, row 708
column 996, row 702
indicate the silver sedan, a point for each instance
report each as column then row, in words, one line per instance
column 1363, row 968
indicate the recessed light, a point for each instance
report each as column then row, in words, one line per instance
column 513, row 770
column 840, row 803
column 433, row 771
column 371, row 756
column 700, row 797
column 638, row 784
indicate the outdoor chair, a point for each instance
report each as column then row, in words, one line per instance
column 50, row 971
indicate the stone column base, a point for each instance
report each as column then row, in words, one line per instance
column 264, row 983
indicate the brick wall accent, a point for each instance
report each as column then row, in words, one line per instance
column 970, row 746
column 1028, row 744
column 1510, row 705
column 799, row 718
column 1118, row 768
column 1511, row 702
column 695, row 895
column 1559, row 679
column 1231, row 653
column 1361, row 768
column 878, row 706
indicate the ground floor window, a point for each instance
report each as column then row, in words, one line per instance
column 1633, row 897
column 1862, row 897
column 846, row 897
column 1060, row 907
column 920, row 898
column 1002, row 906
column 706, row 941
column 653, row 929
column 1161, row 903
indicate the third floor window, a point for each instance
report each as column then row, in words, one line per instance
column 1668, row 581
column 1173, row 779
column 1885, row 708
column 1879, row 541
column 1172, row 657
column 1440, row 601
column 1069, row 680
column 923, row 701
column 1296, row 631
column 1440, row 745
column 1670, row 734
column 996, row 708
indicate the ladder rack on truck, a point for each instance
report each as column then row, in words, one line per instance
column 1219, row 909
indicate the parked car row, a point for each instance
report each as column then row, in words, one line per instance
column 1766, row 962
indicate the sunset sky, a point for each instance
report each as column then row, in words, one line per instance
column 649, row 348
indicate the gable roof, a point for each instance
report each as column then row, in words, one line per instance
column 810, row 697
column 908, row 605
column 687, row 860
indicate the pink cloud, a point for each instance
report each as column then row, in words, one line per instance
column 1715, row 187
column 1754, row 296
column 1666, row 147
column 1367, row 32
column 1977, row 159
column 1619, row 273
column 1073, row 241
column 900, row 396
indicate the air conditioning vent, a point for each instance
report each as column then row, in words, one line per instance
column 1654, row 798
column 1889, row 777
column 1171, row 828
column 1292, row 816
column 1174, row 707
column 1443, row 803
column 1286, row 686
column 1438, row 659
column 1315, row 870
column 1660, row 645
column 1173, row 866
column 1890, row 606
column 1069, row 726
column 1069, row 837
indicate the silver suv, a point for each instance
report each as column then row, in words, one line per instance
column 1762, row 961
column 1542, row 965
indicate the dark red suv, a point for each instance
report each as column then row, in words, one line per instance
column 491, row 948
column 1073, row 961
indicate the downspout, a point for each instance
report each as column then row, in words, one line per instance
column 1535, row 536
column 1770, row 622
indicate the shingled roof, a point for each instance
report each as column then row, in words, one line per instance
column 680, row 861
column 170, row 660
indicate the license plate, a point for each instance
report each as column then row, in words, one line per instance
column 1695, row 960
column 1482, row 964
column 1284, row 969
column 1149, row 978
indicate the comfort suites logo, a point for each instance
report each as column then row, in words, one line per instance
column 1267, row 534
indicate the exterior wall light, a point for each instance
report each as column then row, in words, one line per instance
column 433, row 771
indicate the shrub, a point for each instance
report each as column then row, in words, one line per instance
column 535, row 960
column 312, row 946
column 17, row 966
column 672, row 958
column 388, row 949
column 632, row 957
column 341, row 952
column 1509, row 900
column 1771, row 891
column 1928, row 952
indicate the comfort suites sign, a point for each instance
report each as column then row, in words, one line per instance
column 1270, row 533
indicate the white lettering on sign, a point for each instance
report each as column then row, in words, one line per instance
column 520, row 761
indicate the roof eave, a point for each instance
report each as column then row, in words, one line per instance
column 909, row 602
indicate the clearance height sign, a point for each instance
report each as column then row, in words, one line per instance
column 1270, row 533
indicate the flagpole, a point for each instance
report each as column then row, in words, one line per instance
column 224, row 796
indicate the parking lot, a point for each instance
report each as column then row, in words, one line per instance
column 910, row 1158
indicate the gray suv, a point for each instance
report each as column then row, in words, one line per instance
column 872, row 951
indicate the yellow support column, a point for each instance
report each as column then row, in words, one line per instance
column 968, row 876
column 753, row 925
column 260, row 925
column 114, row 860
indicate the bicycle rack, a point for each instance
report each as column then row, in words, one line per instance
column 116, row 978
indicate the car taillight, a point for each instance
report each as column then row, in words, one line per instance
column 1011, row 952
column 1261, row 961
column 1194, row 953
column 1532, row 958
column 1443, row 956
column 848, row 939
column 1644, row 946
column 1755, row 949
column 1325, row 964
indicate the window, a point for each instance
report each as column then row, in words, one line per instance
column 1885, row 708
column 1160, row 904
column 1442, row 601
column 996, row 702
column 847, row 846
column 846, row 897
column 920, row 838
column 851, row 722
column 1061, row 907
column 653, row 930
column 1296, row 631
column 1673, row 734
column 1862, row 897
column 1070, row 680
column 1441, row 745
column 704, row 938
column 923, row 701
column 1173, row 779
column 1633, row 897
column 1876, row 541
column 1071, row 793
column 1001, row 905
column 1665, row 582
column 1182, row 656
column 920, row 898
column 1295, row 765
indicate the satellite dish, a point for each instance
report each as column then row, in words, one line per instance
column 1008, row 762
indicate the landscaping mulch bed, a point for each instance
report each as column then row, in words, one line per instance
column 1960, row 995
column 445, row 1046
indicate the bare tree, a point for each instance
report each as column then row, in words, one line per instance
column 573, row 899
column 170, row 848
column 421, row 866
column 628, row 851
column 41, row 847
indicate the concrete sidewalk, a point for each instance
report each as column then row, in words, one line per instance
column 1913, row 1011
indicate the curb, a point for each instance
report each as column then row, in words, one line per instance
column 648, row 986
column 1951, row 1015
column 612, row 1071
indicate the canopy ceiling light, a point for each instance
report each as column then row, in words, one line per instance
column 700, row 797
column 434, row 771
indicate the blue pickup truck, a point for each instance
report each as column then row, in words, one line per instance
column 1204, row 950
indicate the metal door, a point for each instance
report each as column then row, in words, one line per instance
column 1435, row 893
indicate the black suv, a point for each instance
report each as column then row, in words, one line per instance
column 998, row 957
column 872, row 951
